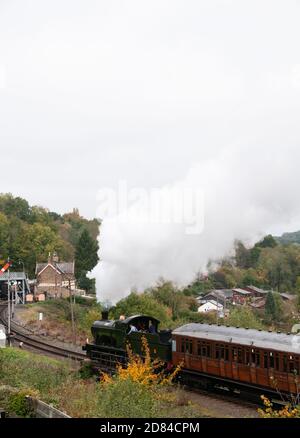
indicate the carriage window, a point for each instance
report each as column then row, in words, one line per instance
column 266, row 360
column 227, row 353
column 208, row 350
column 247, row 357
column 203, row 349
column 234, row 354
column 277, row 362
column 240, row 355
column 255, row 357
column 271, row 357
column 199, row 348
column 220, row 351
column 182, row 346
column 186, row 346
column 285, row 364
column 291, row 364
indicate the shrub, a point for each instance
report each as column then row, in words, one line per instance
column 20, row 405
column 127, row 398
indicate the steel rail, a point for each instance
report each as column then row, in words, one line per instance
column 30, row 340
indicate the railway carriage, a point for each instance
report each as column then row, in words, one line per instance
column 239, row 358
column 233, row 359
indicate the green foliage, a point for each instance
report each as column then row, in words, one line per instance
column 29, row 233
column 4, row 235
column 267, row 264
column 127, row 399
column 145, row 304
column 166, row 293
column 273, row 307
column 20, row 405
column 59, row 312
column 19, row 370
column 86, row 258
column 244, row 317
column 289, row 238
column 86, row 283
column 267, row 242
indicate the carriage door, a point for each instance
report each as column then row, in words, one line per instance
column 187, row 350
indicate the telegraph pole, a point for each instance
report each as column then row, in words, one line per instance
column 9, row 306
column 72, row 313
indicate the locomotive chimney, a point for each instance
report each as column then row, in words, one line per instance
column 104, row 315
column 106, row 306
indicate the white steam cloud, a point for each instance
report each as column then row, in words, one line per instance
column 247, row 191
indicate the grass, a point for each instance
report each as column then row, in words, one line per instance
column 57, row 318
column 59, row 384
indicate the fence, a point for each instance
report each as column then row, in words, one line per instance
column 42, row 410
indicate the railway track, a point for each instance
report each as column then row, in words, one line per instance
column 34, row 343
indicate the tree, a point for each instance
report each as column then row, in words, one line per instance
column 86, row 254
column 86, row 283
column 273, row 306
column 16, row 207
column 267, row 242
column 4, row 235
column 168, row 294
column 298, row 291
column 277, row 267
column 86, row 258
column 244, row 317
column 270, row 309
column 145, row 304
column 241, row 255
column 34, row 243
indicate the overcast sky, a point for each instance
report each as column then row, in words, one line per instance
column 92, row 92
column 198, row 93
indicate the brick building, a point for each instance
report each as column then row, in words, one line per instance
column 55, row 278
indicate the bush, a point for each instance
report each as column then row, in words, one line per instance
column 244, row 317
column 126, row 398
column 21, row 369
column 20, row 405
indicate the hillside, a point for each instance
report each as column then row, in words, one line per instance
column 288, row 238
column 29, row 233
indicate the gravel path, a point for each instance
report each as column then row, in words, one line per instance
column 222, row 408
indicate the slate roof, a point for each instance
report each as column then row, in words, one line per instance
column 240, row 336
column 258, row 290
column 241, row 291
column 63, row 267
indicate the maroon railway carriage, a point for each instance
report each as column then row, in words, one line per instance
column 251, row 357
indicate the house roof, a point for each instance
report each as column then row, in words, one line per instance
column 258, row 290
column 288, row 296
column 63, row 267
column 214, row 303
column 258, row 304
column 241, row 291
column 219, row 294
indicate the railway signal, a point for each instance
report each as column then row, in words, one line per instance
column 2, row 270
column 5, row 267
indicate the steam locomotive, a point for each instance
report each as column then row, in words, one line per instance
column 232, row 359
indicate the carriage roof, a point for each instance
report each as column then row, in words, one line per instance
column 288, row 343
